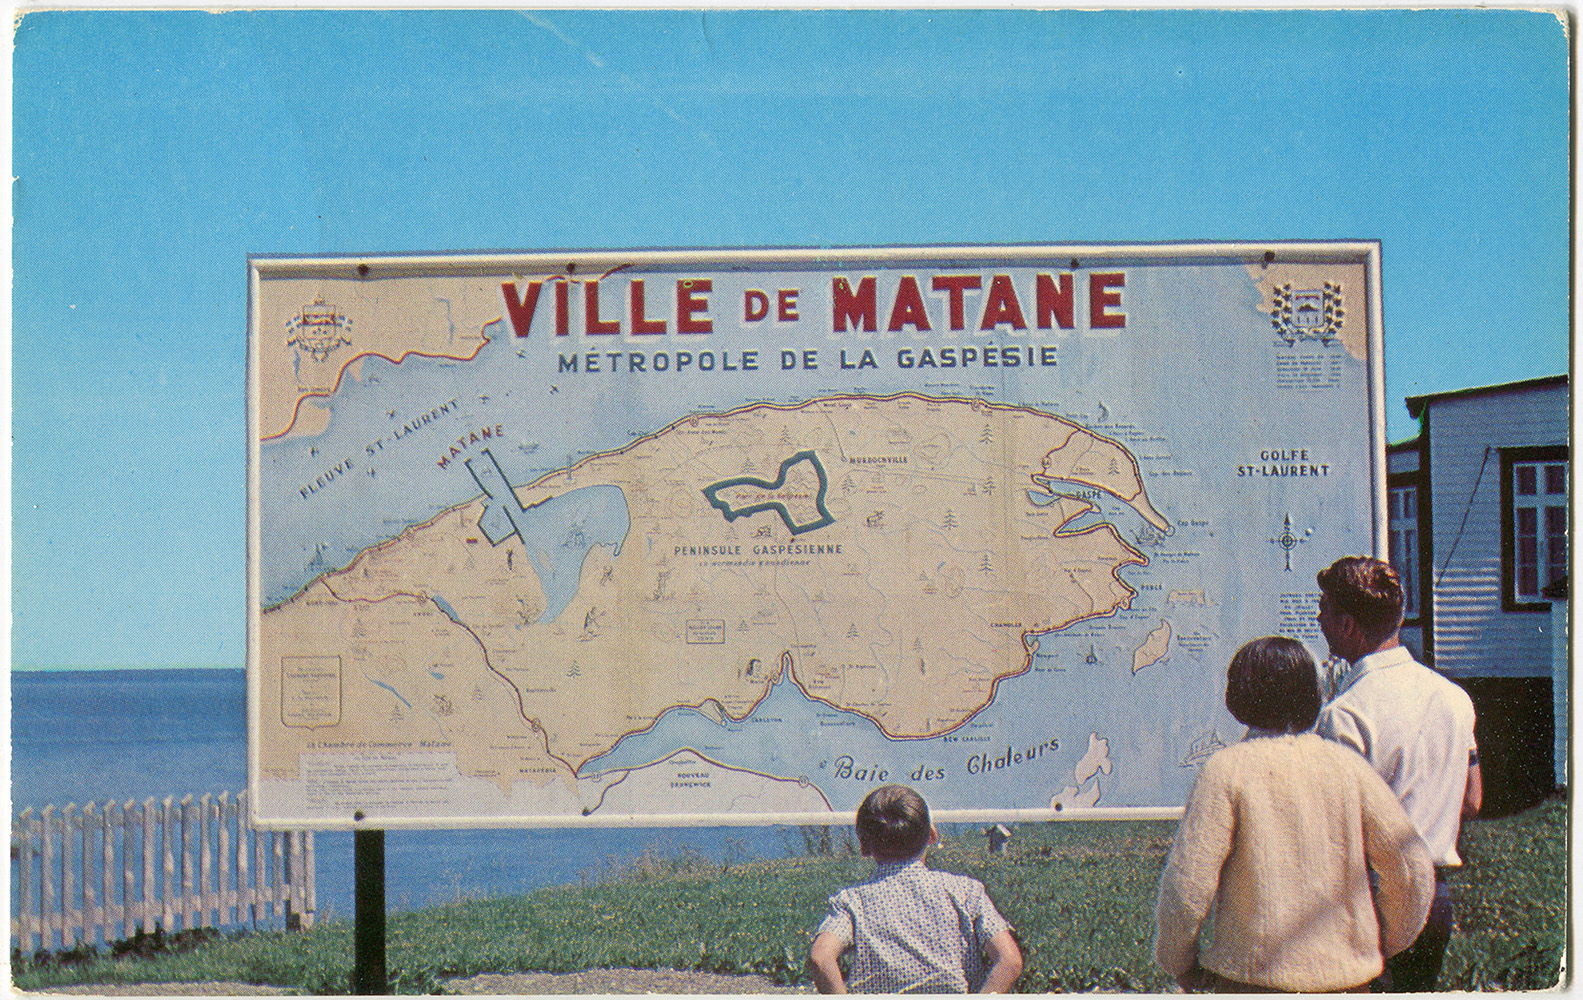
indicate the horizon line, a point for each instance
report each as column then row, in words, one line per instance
column 38, row 668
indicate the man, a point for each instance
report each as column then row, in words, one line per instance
column 1414, row 726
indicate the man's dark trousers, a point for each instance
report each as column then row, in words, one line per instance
column 1416, row 969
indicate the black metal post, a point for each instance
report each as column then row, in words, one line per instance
column 368, row 870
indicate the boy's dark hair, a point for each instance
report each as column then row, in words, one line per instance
column 893, row 822
column 1368, row 590
column 1272, row 684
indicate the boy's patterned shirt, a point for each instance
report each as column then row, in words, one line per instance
column 914, row 930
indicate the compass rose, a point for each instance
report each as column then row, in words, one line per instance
column 1289, row 540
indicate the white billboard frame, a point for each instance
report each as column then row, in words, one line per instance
column 598, row 262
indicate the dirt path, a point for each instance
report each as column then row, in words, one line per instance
column 592, row 982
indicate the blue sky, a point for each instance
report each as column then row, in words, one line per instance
column 155, row 150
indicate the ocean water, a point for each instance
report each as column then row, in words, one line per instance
column 94, row 736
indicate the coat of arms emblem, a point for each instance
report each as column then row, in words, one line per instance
column 319, row 330
column 1307, row 314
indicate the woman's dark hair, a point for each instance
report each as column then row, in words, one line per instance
column 1272, row 684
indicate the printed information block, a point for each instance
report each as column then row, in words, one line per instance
column 736, row 536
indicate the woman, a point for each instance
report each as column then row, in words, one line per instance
column 1278, row 837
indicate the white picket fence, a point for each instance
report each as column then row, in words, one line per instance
column 103, row 872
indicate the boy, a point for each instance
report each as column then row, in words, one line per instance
column 913, row 929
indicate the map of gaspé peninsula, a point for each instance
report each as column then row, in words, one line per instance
column 735, row 536
column 861, row 548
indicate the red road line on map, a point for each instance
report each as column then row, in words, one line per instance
column 341, row 376
column 781, row 672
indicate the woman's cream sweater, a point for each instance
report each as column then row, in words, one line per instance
column 1278, row 836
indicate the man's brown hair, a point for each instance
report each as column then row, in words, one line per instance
column 1368, row 590
column 893, row 823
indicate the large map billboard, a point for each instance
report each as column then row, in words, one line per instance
column 735, row 536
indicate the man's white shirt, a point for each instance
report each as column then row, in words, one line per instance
column 1416, row 728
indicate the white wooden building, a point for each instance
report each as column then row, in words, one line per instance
column 1478, row 522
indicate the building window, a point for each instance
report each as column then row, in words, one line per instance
column 1404, row 544
column 1534, row 532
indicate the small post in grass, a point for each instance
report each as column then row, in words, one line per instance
column 998, row 835
column 368, row 871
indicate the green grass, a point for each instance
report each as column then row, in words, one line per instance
column 1511, row 898
column 1081, row 895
